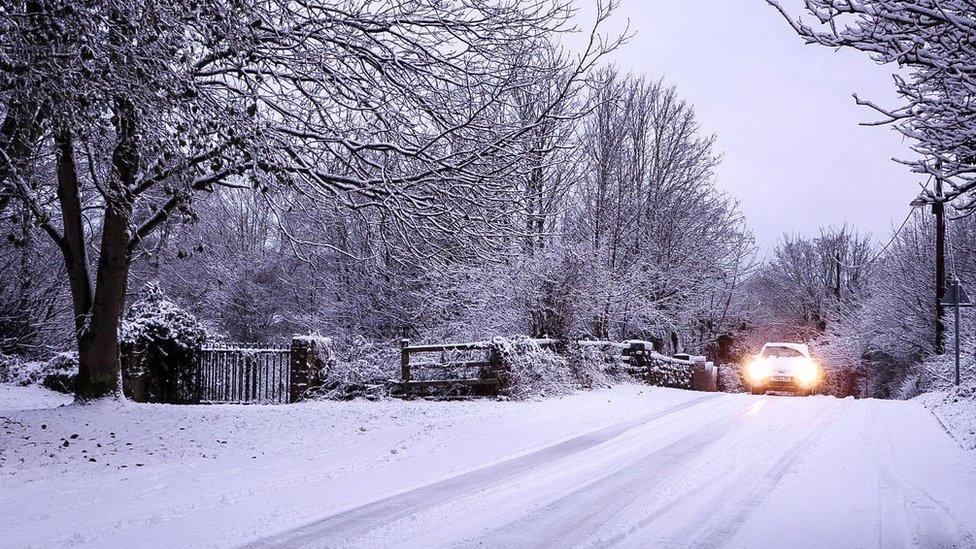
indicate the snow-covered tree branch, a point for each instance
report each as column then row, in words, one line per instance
column 930, row 43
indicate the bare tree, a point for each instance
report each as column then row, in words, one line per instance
column 799, row 289
column 660, row 235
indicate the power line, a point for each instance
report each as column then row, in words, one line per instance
column 886, row 246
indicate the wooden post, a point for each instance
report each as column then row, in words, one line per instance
column 938, row 208
column 405, row 365
column 404, row 360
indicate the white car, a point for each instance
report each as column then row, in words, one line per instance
column 783, row 367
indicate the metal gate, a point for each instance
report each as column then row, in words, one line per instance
column 242, row 375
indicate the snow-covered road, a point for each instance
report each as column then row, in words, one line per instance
column 712, row 471
column 631, row 466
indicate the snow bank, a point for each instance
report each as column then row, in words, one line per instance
column 956, row 409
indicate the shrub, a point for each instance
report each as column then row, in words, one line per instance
column 596, row 366
column 12, row 370
column 361, row 368
column 154, row 320
column 160, row 341
column 937, row 373
column 58, row 373
column 730, row 378
column 528, row 370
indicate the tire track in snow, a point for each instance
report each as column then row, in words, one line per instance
column 724, row 487
column 929, row 518
column 572, row 515
column 745, row 494
column 358, row 520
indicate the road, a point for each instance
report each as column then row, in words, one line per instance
column 713, row 470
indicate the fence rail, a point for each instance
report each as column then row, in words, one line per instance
column 451, row 370
column 238, row 375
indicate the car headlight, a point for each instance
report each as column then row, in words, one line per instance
column 757, row 370
column 808, row 373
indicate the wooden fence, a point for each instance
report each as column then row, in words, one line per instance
column 472, row 364
column 459, row 364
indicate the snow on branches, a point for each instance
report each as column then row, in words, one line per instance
column 402, row 112
column 934, row 41
column 155, row 320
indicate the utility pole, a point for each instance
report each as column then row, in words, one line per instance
column 938, row 208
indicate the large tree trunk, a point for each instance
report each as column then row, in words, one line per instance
column 98, row 313
column 96, row 317
column 98, row 346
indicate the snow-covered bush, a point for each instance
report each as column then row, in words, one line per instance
column 12, row 370
column 528, row 370
column 937, row 373
column 911, row 386
column 60, row 372
column 57, row 373
column 730, row 378
column 595, row 366
column 160, row 342
column 155, row 320
column 359, row 368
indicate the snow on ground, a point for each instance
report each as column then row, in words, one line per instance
column 13, row 397
column 124, row 474
column 956, row 410
column 630, row 466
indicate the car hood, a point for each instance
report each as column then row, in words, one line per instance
column 784, row 366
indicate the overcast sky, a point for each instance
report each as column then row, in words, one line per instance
column 794, row 153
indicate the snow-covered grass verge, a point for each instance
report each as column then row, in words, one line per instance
column 15, row 399
column 114, row 474
column 956, row 410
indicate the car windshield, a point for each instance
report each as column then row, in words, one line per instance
column 780, row 352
